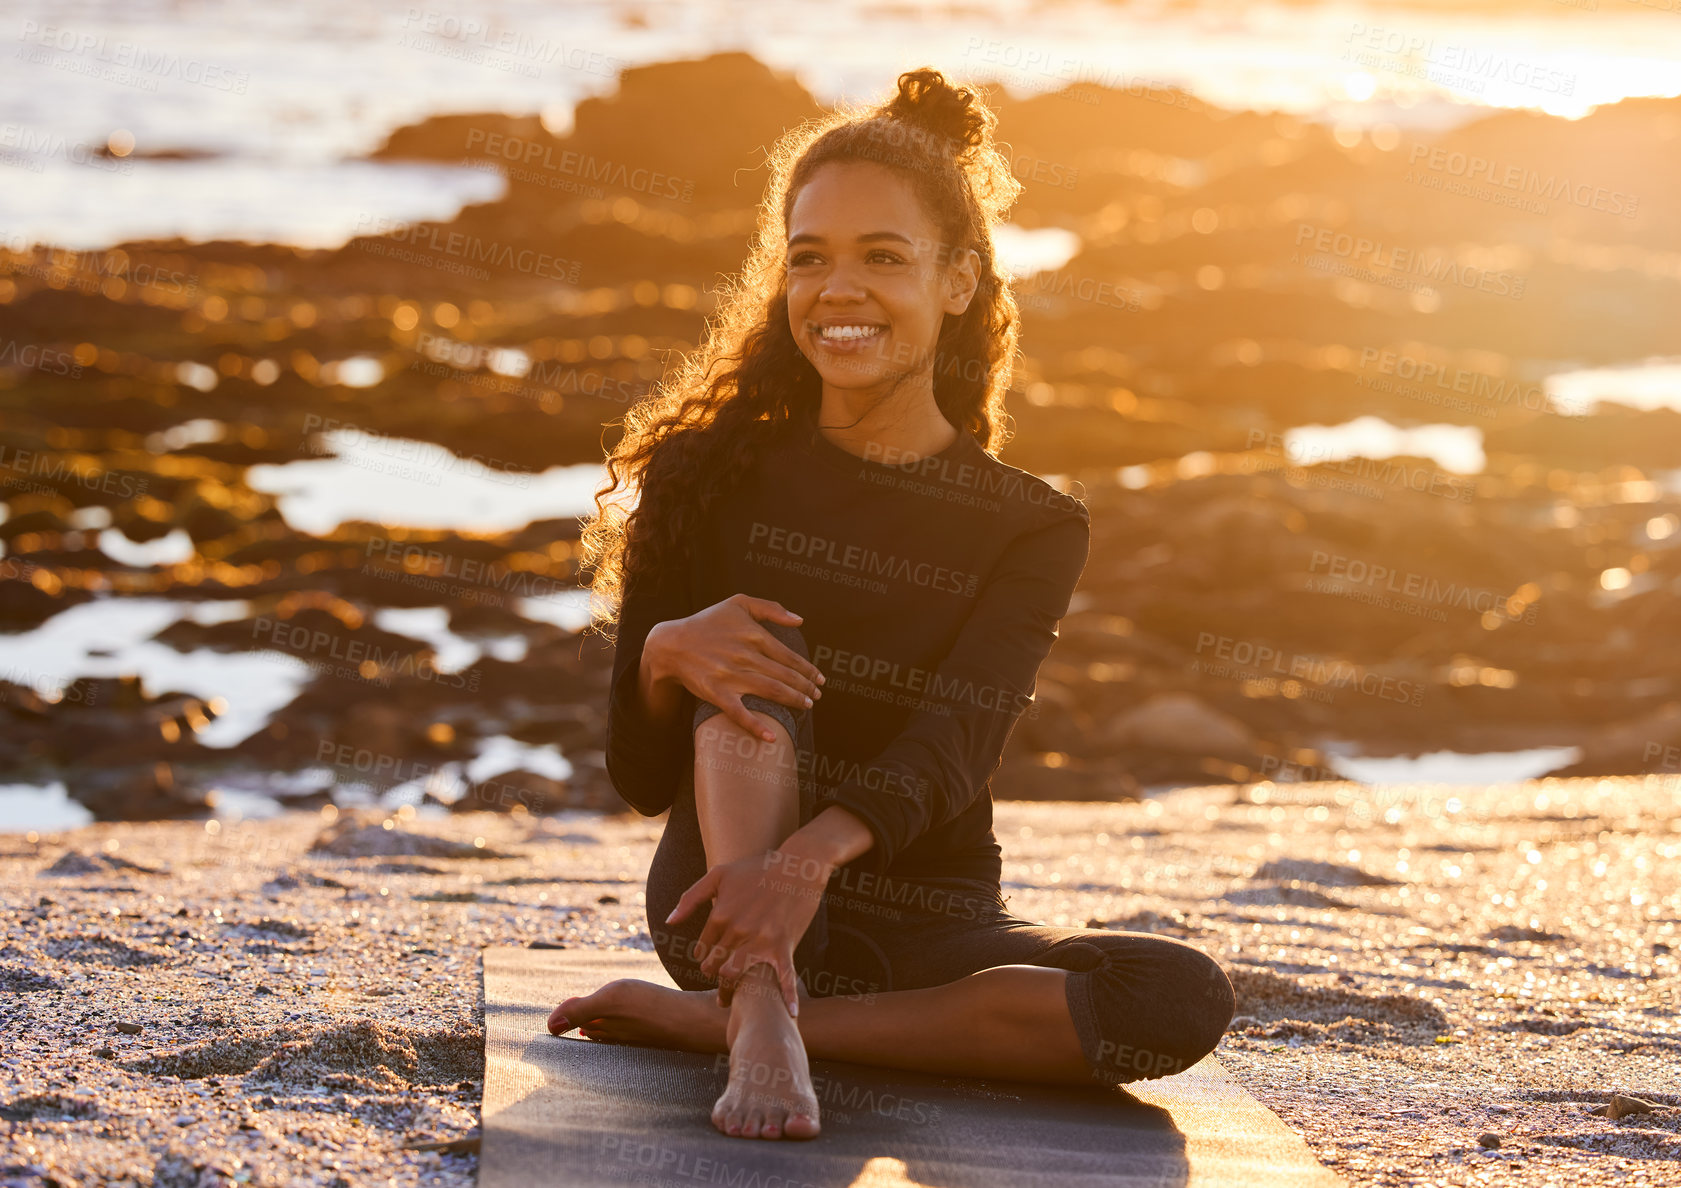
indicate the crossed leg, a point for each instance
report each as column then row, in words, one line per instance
column 1009, row 1021
column 987, row 999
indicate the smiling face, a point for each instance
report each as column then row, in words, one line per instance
column 868, row 288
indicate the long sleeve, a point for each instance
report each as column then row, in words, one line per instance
column 645, row 757
column 938, row 764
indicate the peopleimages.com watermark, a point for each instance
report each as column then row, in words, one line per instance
column 1391, row 472
column 1045, row 288
column 444, row 781
column 773, row 1082
column 967, row 483
column 1448, row 63
column 927, row 690
column 684, row 946
column 512, row 372
column 50, row 688
column 31, row 356
column 90, row 272
column 1462, row 389
column 1315, row 677
column 57, row 470
column 775, row 546
column 869, row 891
column 740, row 755
column 655, row 1164
column 484, row 583
column 476, row 41
column 547, row 164
column 1391, row 265
column 1022, row 65
column 1376, row 583
column 331, row 655
column 23, row 147
column 118, row 60
column 435, row 246
column 1456, row 172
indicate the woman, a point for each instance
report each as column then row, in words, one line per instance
column 832, row 603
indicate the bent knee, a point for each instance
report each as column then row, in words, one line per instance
column 1162, row 1006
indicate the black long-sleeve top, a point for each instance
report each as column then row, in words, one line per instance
column 930, row 594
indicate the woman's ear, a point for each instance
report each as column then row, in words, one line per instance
column 962, row 279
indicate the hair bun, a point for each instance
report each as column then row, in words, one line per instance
column 953, row 116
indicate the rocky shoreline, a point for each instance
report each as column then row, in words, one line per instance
column 1243, row 604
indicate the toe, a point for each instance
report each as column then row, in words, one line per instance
column 801, row 1125
column 571, row 1012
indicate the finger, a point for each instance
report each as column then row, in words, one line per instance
column 765, row 608
column 790, row 988
column 789, row 658
column 738, row 713
column 709, row 949
column 794, row 678
column 783, row 670
column 763, row 684
column 731, row 959
column 710, row 958
column 716, row 948
column 699, row 892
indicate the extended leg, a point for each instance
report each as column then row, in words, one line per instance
column 1073, row 1007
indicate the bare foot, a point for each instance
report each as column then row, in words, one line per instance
column 631, row 1011
column 769, row 1093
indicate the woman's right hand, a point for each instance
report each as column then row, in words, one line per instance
column 722, row 653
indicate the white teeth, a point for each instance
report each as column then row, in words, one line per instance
column 849, row 331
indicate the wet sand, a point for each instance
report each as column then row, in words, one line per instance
column 1418, row 967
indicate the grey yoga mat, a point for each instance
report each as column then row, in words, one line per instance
column 564, row 1111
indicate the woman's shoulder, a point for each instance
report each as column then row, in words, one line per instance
column 1039, row 499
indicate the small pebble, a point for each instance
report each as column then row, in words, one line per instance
column 1488, row 1140
column 130, row 1028
column 1620, row 1107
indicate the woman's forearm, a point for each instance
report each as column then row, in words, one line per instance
column 835, row 836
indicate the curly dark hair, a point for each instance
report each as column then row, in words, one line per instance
column 688, row 443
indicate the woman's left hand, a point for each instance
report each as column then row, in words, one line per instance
column 761, row 906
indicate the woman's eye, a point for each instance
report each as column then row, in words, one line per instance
column 878, row 256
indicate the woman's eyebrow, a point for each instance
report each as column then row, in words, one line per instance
column 867, row 237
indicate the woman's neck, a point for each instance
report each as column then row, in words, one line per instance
column 892, row 430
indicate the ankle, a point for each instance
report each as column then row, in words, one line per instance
column 758, row 993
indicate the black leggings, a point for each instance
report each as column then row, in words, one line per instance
column 1144, row 1006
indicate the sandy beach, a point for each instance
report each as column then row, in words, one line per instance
column 1423, row 972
